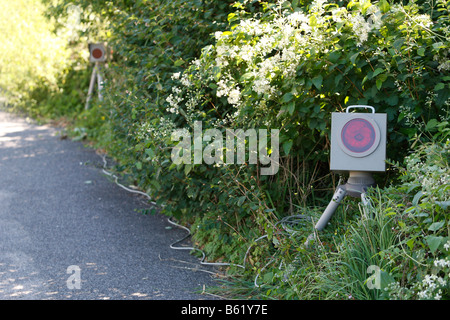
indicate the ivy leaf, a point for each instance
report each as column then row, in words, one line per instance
column 436, row 226
column 385, row 279
column 433, row 242
column 410, row 243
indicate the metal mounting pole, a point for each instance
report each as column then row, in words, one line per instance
column 356, row 186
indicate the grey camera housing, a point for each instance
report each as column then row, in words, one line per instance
column 367, row 132
column 98, row 52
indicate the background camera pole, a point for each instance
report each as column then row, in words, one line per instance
column 95, row 74
column 91, row 86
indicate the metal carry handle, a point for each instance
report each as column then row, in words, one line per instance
column 359, row 106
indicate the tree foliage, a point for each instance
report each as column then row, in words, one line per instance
column 31, row 53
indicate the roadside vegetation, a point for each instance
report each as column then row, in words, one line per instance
column 267, row 65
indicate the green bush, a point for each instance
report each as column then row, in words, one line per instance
column 288, row 66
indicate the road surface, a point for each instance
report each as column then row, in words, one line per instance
column 67, row 231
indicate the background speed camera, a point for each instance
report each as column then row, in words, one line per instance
column 97, row 52
column 358, row 141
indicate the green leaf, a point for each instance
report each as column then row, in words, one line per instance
column 421, row 52
column 417, row 198
column 439, row 86
column 268, row 277
column 287, row 145
column 149, row 152
column 410, row 243
column 384, row 6
column 334, row 56
column 241, row 200
column 392, row 100
column 436, row 226
column 178, row 63
column 379, row 83
column 377, row 72
column 187, row 169
column 431, row 124
column 433, row 242
column 247, row 76
column 291, row 107
column 353, row 57
column 443, row 204
column 385, row 279
column 231, row 17
column 398, row 43
column 287, row 97
column 317, row 81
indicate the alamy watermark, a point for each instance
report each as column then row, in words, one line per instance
column 374, row 281
column 74, row 280
column 235, row 147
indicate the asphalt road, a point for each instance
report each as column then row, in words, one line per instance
column 67, row 231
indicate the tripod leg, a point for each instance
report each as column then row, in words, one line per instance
column 100, row 84
column 91, row 87
column 339, row 194
column 331, row 208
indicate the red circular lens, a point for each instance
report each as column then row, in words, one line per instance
column 358, row 135
column 97, row 53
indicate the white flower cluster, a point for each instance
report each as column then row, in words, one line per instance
column 174, row 100
column 360, row 27
column 442, row 263
column 271, row 49
column 148, row 131
column 227, row 88
column 431, row 287
column 422, row 20
column 432, row 177
column 184, row 96
column 397, row 292
column 447, row 245
column 443, row 60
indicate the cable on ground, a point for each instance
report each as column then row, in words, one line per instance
column 287, row 224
